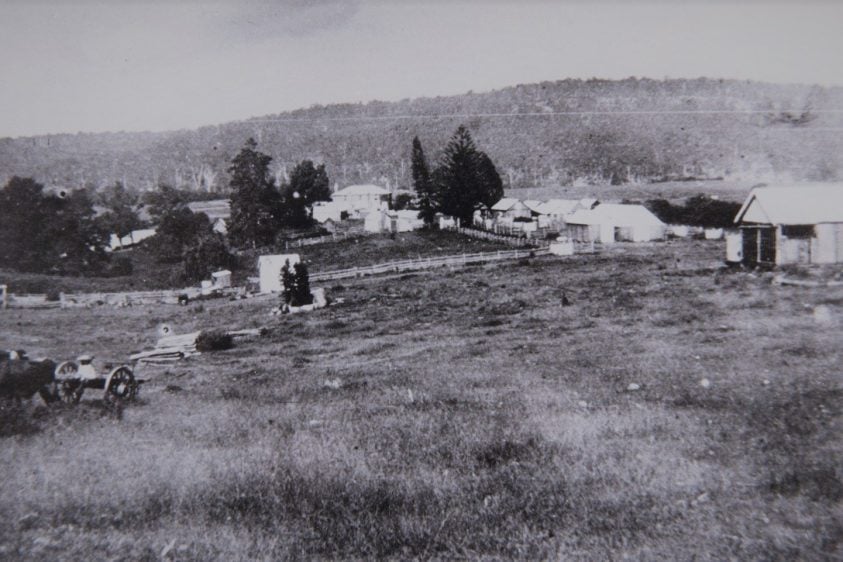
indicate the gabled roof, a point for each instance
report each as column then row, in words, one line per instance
column 505, row 204
column 365, row 189
column 793, row 204
column 558, row 206
column 533, row 204
column 215, row 209
column 615, row 214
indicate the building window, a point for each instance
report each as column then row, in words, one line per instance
column 798, row 230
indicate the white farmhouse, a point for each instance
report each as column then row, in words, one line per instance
column 361, row 197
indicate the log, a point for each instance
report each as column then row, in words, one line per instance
column 248, row 333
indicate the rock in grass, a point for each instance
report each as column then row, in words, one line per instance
column 28, row 521
column 705, row 383
column 633, row 386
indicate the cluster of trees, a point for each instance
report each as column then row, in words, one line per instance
column 260, row 209
column 464, row 181
column 187, row 238
column 50, row 233
column 699, row 210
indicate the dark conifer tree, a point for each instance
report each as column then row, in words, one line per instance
column 254, row 199
column 466, row 178
column 423, row 184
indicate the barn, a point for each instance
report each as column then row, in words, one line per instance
column 791, row 224
column 608, row 223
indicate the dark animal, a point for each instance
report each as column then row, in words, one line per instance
column 21, row 378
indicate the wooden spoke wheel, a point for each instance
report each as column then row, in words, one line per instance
column 121, row 384
column 68, row 385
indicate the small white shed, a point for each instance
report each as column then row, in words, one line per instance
column 269, row 271
column 221, row 278
column 792, row 224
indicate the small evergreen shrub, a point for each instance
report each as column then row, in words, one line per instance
column 213, row 340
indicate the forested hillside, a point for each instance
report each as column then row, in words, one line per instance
column 552, row 133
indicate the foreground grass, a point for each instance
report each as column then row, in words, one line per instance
column 461, row 415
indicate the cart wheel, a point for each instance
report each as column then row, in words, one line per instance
column 121, row 385
column 68, row 385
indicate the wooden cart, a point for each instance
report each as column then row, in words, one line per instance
column 73, row 377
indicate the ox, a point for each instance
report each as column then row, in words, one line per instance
column 21, row 378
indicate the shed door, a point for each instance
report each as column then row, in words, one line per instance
column 750, row 246
column 766, row 245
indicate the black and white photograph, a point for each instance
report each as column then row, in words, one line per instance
column 421, row 280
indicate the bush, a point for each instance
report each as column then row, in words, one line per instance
column 213, row 340
column 296, row 285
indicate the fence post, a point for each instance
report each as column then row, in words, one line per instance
column 3, row 296
column 62, row 304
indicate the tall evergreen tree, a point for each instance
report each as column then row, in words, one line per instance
column 422, row 183
column 491, row 183
column 254, row 199
column 466, row 178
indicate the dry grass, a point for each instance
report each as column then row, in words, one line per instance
column 453, row 415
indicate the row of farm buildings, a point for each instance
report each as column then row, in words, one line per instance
column 777, row 225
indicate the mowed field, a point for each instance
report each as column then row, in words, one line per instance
column 452, row 414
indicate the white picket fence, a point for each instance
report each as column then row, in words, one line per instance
column 425, row 263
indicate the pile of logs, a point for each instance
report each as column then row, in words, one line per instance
column 173, row 348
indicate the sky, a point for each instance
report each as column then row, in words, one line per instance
column 154, row 65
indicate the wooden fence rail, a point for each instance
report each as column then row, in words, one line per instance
column 10, row 300
column 516, row 238
column 301, row 242
column 425, row 263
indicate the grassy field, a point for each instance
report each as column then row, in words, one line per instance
column 671, row 411
column 148, row 274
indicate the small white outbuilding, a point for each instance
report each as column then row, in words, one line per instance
column 609, row 222
column 792, row 224
column 269, row 271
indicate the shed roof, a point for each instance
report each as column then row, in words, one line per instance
column 558, row 206
column 363, row 189
column 615, row 214
column 505, row 204
column 588, row 202
column 793, row 204
column 533, row 204
column 215, row 209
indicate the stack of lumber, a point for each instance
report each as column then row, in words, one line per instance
column 174, row 348
column 169, row 348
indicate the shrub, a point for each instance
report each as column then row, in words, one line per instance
column 296, row 285
column 213, row 340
